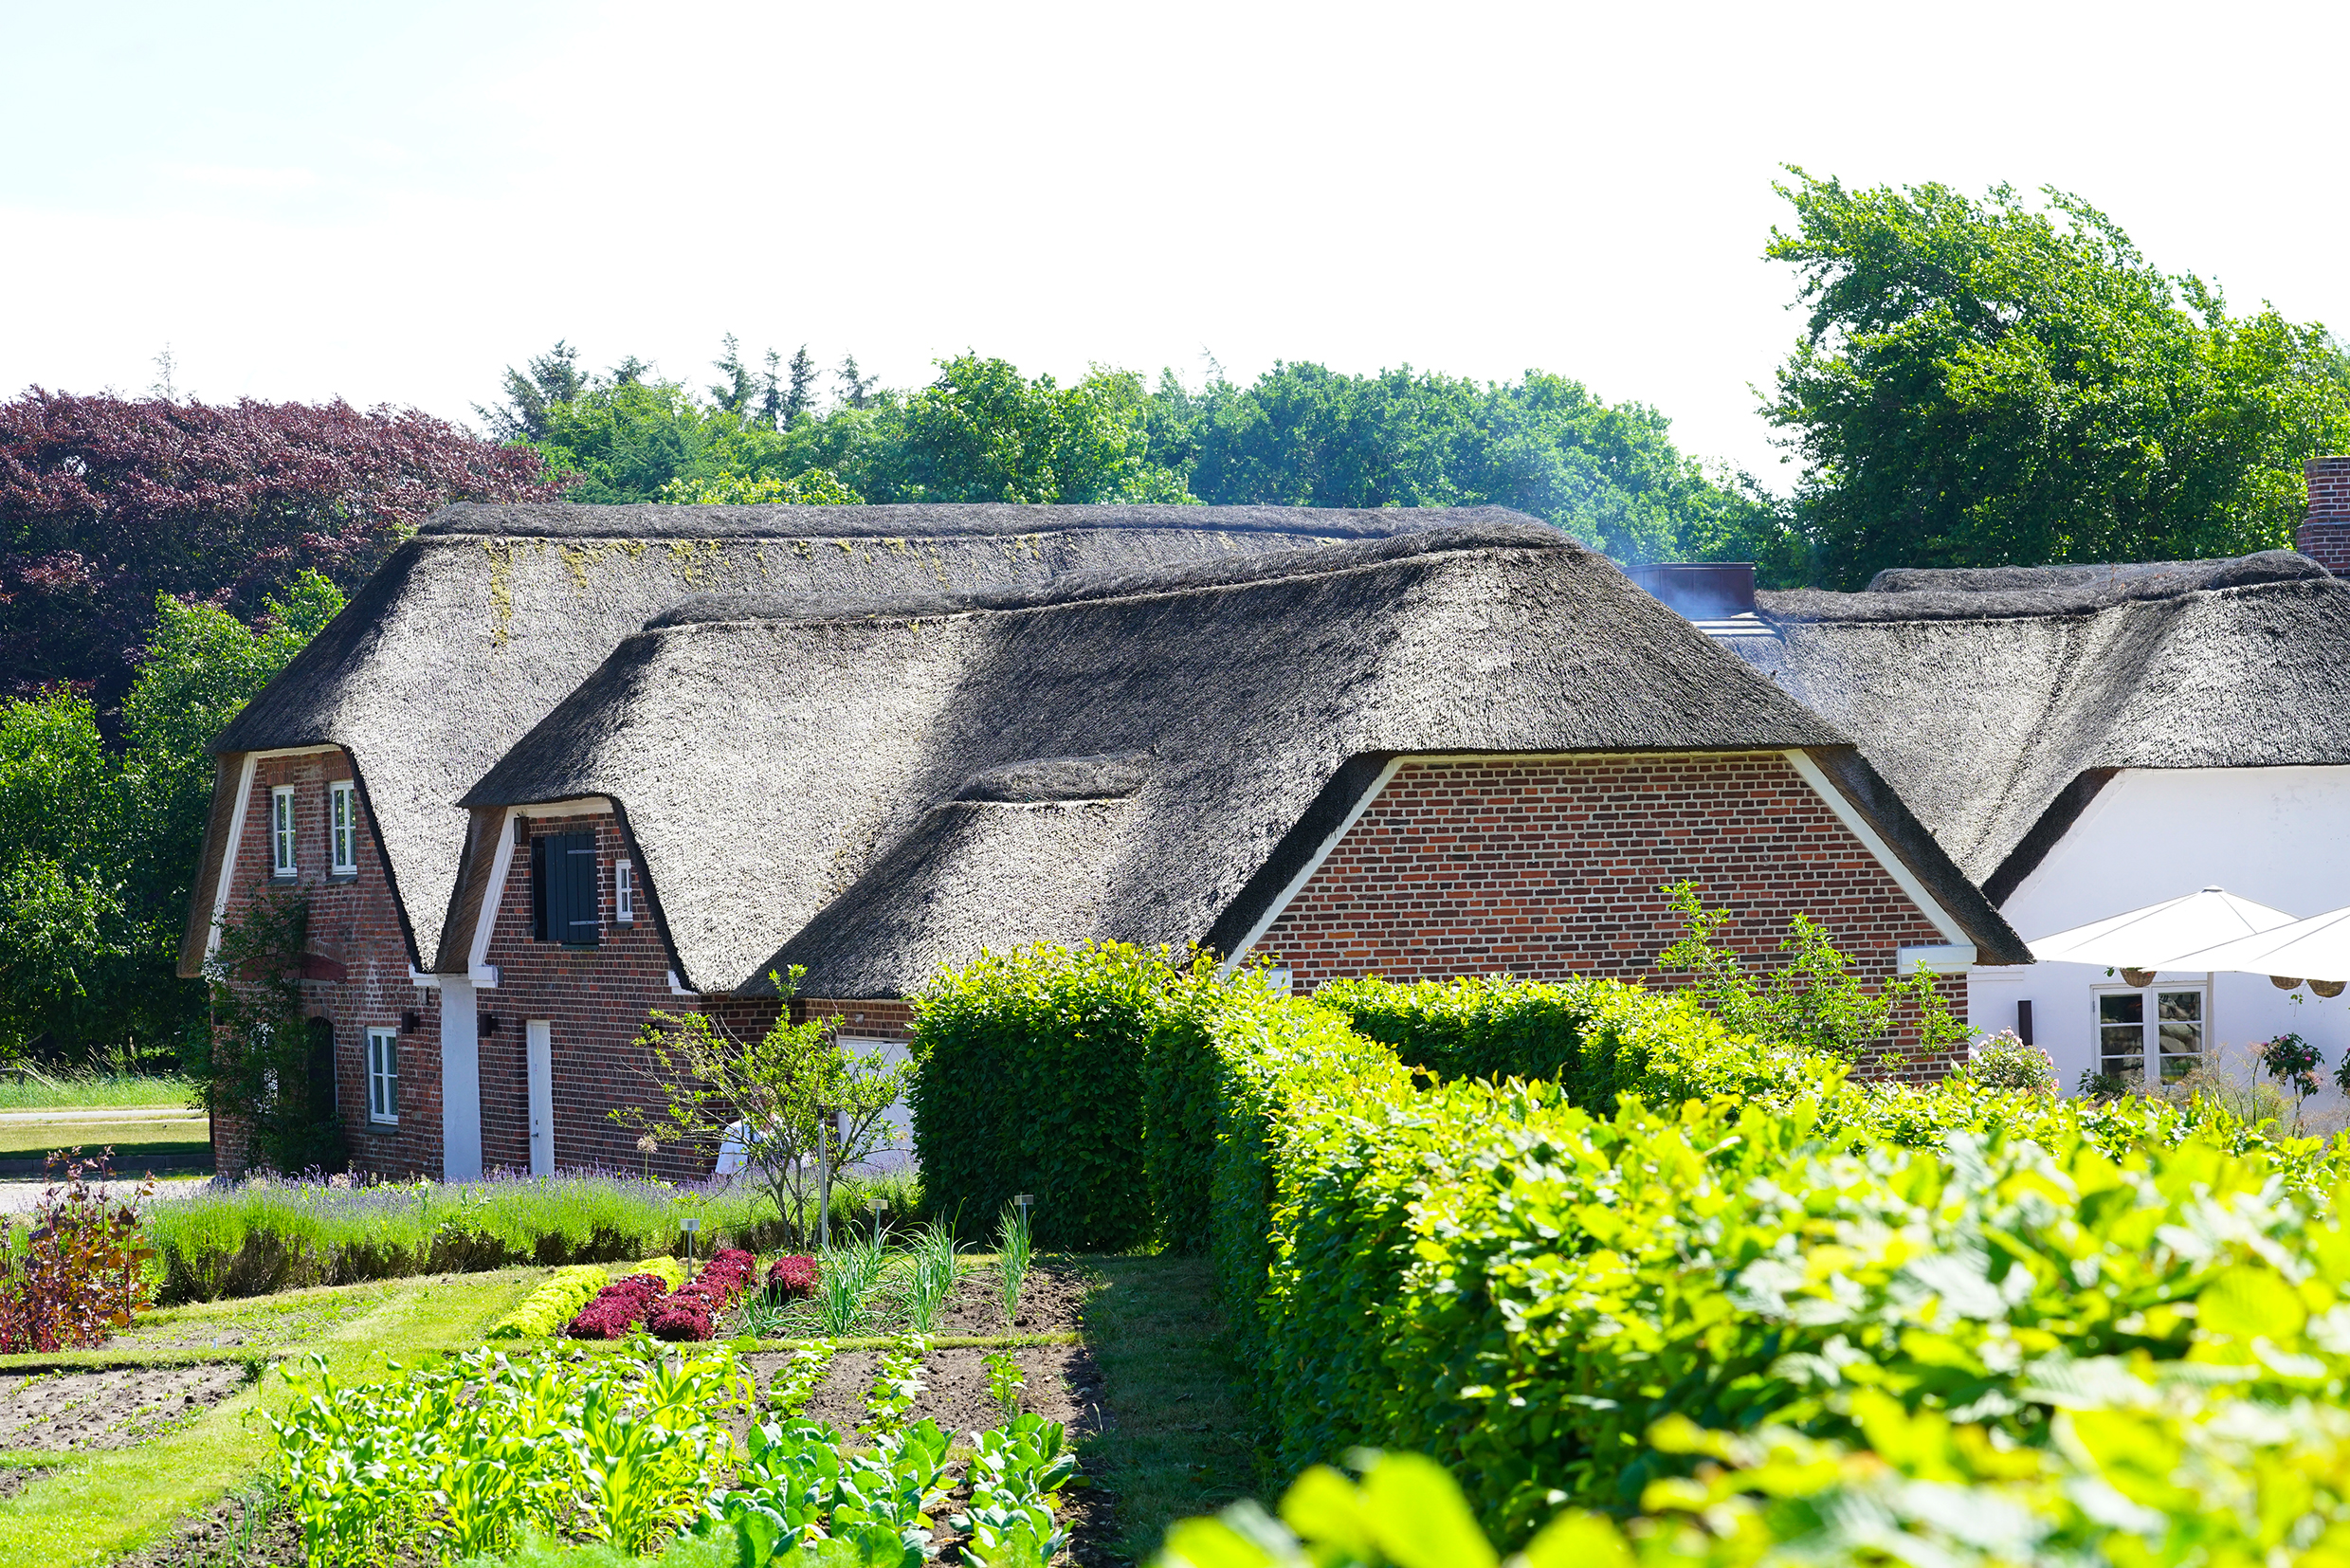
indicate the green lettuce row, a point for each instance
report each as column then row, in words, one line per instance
column 543, row 1313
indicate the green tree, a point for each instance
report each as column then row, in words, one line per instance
column 803, row 1105
column 982, row 431
column 1304, row 436
column 1981, row 383
column 97, row 850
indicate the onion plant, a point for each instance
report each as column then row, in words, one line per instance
column 847, row 1274
column 1013, row 1249
column 938, row 1263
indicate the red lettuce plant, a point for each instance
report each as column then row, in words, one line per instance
column 692, row 1313
column 617, row 1308
column 791, row 1279
column 80, row 1272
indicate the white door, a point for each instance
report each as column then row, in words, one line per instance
column 539, row 1046
column 461, row 1083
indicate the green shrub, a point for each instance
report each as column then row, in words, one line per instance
column 1488, row 1274
column 1030, row 1080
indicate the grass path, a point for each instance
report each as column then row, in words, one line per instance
column 1179, row 1439
column 98, row 1505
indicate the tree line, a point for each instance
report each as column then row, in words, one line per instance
column 1979, row 381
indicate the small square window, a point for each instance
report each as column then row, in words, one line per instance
column 342, row 829
column 383, row 1076
column 282, row 830
column 624, row 891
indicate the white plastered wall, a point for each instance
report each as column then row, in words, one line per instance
column 2273, row 835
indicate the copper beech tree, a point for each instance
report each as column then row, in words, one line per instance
column 106, row 500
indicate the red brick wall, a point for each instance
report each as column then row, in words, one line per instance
column 2325, row 535
column 354, row 926
column 598, row 1001
column 862, row 1020
column 1542, row 868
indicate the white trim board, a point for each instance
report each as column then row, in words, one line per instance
column 1859, row 827
column 1313, row 863
column 246, row 771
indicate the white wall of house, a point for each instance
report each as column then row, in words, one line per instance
column 2275, row 835
column 894, row 1154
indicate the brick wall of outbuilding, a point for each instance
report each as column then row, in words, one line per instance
column 598, row 1002
column 1547, row 867
column 356, row 974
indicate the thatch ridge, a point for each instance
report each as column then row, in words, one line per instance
column 1997, row 701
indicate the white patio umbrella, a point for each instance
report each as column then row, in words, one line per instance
column 2316, row 949
column 2162, row 935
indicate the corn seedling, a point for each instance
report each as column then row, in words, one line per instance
column 457, row 1460
column 1013, row 1249
column 796, row 1381
column 1005, row 1384
column 896, row 1383
column 938, row 1263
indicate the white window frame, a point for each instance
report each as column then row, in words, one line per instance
column 624, row 890
column 282, row 830
column 2150, row 1075
column 342, row 829
column 383, row 1077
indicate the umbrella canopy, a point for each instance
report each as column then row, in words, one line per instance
column 2317, row 949
column 2162, row 935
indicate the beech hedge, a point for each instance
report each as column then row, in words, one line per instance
column 1486, row 1273
column 1030, row 1080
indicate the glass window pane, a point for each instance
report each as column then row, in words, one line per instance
column 2179, row 1033
column 2121, row 1035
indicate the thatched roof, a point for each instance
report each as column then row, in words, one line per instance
column 873, row 789
column 477, row 627
column 1998, row 701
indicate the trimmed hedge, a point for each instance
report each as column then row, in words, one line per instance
column 1030, row 1080
column 1489, row 1275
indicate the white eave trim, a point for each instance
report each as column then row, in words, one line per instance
column 1313, row 863
column 1861, row 829
column 228, row 851
column 677, row 986
column 1950, row 959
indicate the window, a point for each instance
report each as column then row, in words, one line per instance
column 624, row 891
column 342, row 829
column 282, row 830
column 383, row 1075
column 2155, row 1034
column 565, row 906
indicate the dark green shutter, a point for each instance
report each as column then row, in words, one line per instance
column 539, row 900
column 583, row 911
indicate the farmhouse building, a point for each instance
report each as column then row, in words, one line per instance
column 588, row 774
column 2085, row 740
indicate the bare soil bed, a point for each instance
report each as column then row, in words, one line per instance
column 1062, row 1385
column 107, row 1410
column 1051, row 1302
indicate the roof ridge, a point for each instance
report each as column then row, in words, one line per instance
column 1315, row 560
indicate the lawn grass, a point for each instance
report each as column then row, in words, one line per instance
column 125, row 1137
column 76, row 1090
column 98, row 1505
column 1181, row 1440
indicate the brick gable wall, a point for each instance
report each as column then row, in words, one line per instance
column 1546, row 867
column 597, row 1002
column 357, row 976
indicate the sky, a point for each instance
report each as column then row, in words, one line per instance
column 389, row 204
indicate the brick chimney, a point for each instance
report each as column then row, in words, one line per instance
column 2324, row 533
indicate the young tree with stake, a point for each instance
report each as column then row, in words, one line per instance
column 807, row 1106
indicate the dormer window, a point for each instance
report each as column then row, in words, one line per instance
column 342, row 829
column 282, row 830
